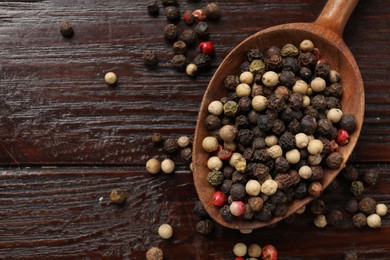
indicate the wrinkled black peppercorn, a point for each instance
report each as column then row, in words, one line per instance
column 290, row 64
column 188, row 36
column 352, row 206
column 231, row 82
column 335, row 217
column 225, row 213
column 205, row 226
column 254, row 54
column 202, row 60
column 66, row 29
column 287, row 78
column 308, row 124
column 170, row 32
column 150, row 58
column 186, row 154
column 359, row 220
column 371, row 177
column 180, row 47
column 170, row 145
column 317, row 206
column 179, row 62
column 172, row 13
column 200, row 211
column 305, row 73
column 350, row 173
column 152, row 7
column 237, row 191
column 367, row 205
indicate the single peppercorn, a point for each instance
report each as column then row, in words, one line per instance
column 306, row 59
column 165, row 231
column 359, row 220
column 335, row 90
column 213, row 11
column 152, row 7
column 224, row 211
column 170, row 32
column 179, row 47
column 154, row 253
column 170, row 145
column 156, row 138
column 305, row 73
column 352, row 206
column 371, row 177
column 172, row 13
column 334, row 160
column 335, row 217
column 179, row 62
column 201, row 29
column 367, row 205
column 357, row 188
column 110, row 78
column 205, row 226
column 348, row 122
column 215, row 177
column 66, row 29
column 308, row 124
column 202, row 61
column 117, row 196
column 199, row 210
column 150, row 58
column 317, row 206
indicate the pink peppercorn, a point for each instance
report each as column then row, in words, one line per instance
column 269, row 252
column 342, row 137
column 206, row 47
column 199, row 15
column 237, row 208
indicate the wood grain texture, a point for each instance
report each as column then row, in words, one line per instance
column 56, row 111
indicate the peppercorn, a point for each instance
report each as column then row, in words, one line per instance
column 275, row 105
column 263, row 215
column 334, row 76
column 156, row 138
column 357, row 188
column 153, row 166
column 281, row 165
column 245, row 66
column 245, row 137
column 335, row 90
column 243, row 90
column 186, row 154
column 334, row 160
column 179, row 62
column 320, row 221
column 367, row 205
column 117, row 196
column 192, row 70
column 165, row 231
column 381, row 209
column 305, row 73
column 110, row 78
column 169, row 2
column 350, row 255
column 348, row 122
column 306, row 59
column 289, row 50
column 224, row 211
column 240, row 249
column 237, row 191
column 172, row 13
column 205, row 226
column 264, row 122
column 66, row 29
column 306, row 45
column 199, row 14
column 213, row 11
column 269, row 187
column 342, row 137
column 295, row 101
column 324, row 127
column 374, row 221
column 188, row 36
column 154, row 253
column 152, row 7
column 317, row 172
column 231, row 82
column 287, row 78
column 352, row 206
column 371, row 177
column 275, row 151
column 201, row 29
column 283, row 180
column 179, row 47
column 202, row 61
column 317, row 206
column 322, row 69
column 335, row 217
column 318, row 102
column 286, row 141
column 359, row 220
column 278, row 128
column 200, row 210
column 215, row 177
column 257, row 67
column 308, row 124
column 270, row 79
column 300, row 190
column 167, row 166
column 170, row 32
column 245, row 105
column 150, row 58
column 170, row 145
column 315, row 189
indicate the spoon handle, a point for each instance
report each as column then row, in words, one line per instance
column 335, row 15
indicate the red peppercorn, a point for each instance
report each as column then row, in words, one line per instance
column 342, row 137
column 239, row 258
column 199, row 15
column 333, row 146
column 269, row 252
column 206, row 47
column 188, row 18
column 219, row 199
column 223, row 153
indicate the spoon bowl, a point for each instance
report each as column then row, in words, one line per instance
column 326, row 34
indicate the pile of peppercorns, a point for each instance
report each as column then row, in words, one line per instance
column 254, row 251
column 195, row 33
column 277, row 130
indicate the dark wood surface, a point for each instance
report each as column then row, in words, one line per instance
column 67, row 139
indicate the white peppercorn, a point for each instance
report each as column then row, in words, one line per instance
column 165, row 231
column 110, row 78
column 270, row 79
column 374, row 221
column 334, row 76
column 320, row 221
column 318, row 84
column 241, row 164
column 275, row 151
column 234, row 159
column 271, row 140
column 183, row 141
column 246, row 231
column 230, row 146
column 254, row 250
column 246, row 77
column 228, row 133
column 192, row 70
column 301, row 140
column 334, row 115
column 259, row 103
column 293, row 156
column 253, row 188
column 243, row 90
column 306, row 45
column 381, row 209
column 315, row 147
column 167, row 166
column 214, row 163
column 300, row 86
column 210, row 144
column 215, row 108
column 240, row 249
column 269, row 187
column 153, row 166
column 305, row 172
column 306, row 101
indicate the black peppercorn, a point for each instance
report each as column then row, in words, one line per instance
column 212, row 122
column 305, row 73
column 237, row 191
column 226, row 186
column 335, row 90
column 213, row 11
column 317, row 206
column 335, row 217
column 227, row 171
column 310, row 110
column 245, row 104
column 290, row 64
column 264, row 123
column 245, row 66
column 348, row 122
column 152, row 7
column 202, row 60
column 245, row 137
column 172, row 13
column 180, row 47
column 367, row 205
column 295, row 101
column 224, row 211
column 352, row 206
column 179, row 62
column 359, row 220
column 333, row 102
column 258, row 143
column 371, row 177
column 66, row 29
column 274, row 62
column 278, row 197
column 248, row 154
column 170, row 32
column 324, row 127
column 280, row 210
column 205, row 226
column 238, row 177
column 255, row 203
column 278, row 128
column 350, row 173
column 318, row 102
column 308, row 124
column 284, row 181
column 276, row 104
column 188, row 36
column 281, row 165
column 186, row 154
column 263, row 215
column 200, row 211
column 254, row 54
column 316, row 173
column 300, row 191
column 261, row 172
column 170, row 145
column 294, row 127
column 287, row 141
column 156, row 138
column 306, row 59
column 322, row 69
column 231, row 82
column 273, row 50
column 201, row 29
column 333, row 161
column 150, row 58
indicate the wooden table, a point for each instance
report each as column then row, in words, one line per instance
column 68, row 139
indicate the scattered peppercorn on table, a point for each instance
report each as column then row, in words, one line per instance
column 90, row 90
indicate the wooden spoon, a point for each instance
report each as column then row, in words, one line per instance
column 326, row 34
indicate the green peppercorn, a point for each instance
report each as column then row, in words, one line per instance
column 289, row 50
column 215, row 177
column 257, row 67
column 357, row 188
column 230, row 108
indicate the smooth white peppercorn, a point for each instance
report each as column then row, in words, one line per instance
column 320, row 221
column 246, row 77
column 259, row 103
column 253, row 188
column 167, row 166
column 240, row 249
column 228, row 133
column 214, row 163
column 271, row 140
column 270, row 79
column 254, row 250
column 165, row 231
column 210, row 144
column 110, row 78
column 153, row 166
column 374, row 221
column 191, row 167
column 315, row 147
column 381, row 209
column 306, row 101
column 183, row 141
column 269, row 187
column 234, row 159
column 300, row 86
column 334, row 76
column 301, row 140
column 243, row 90
column 334, row 115
column 192, row 70
column 306, row 45
column 275, row 151
column 215, row 108
column 246, row 231
column 305, row 172
column 293, row 156
column 318, row 84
